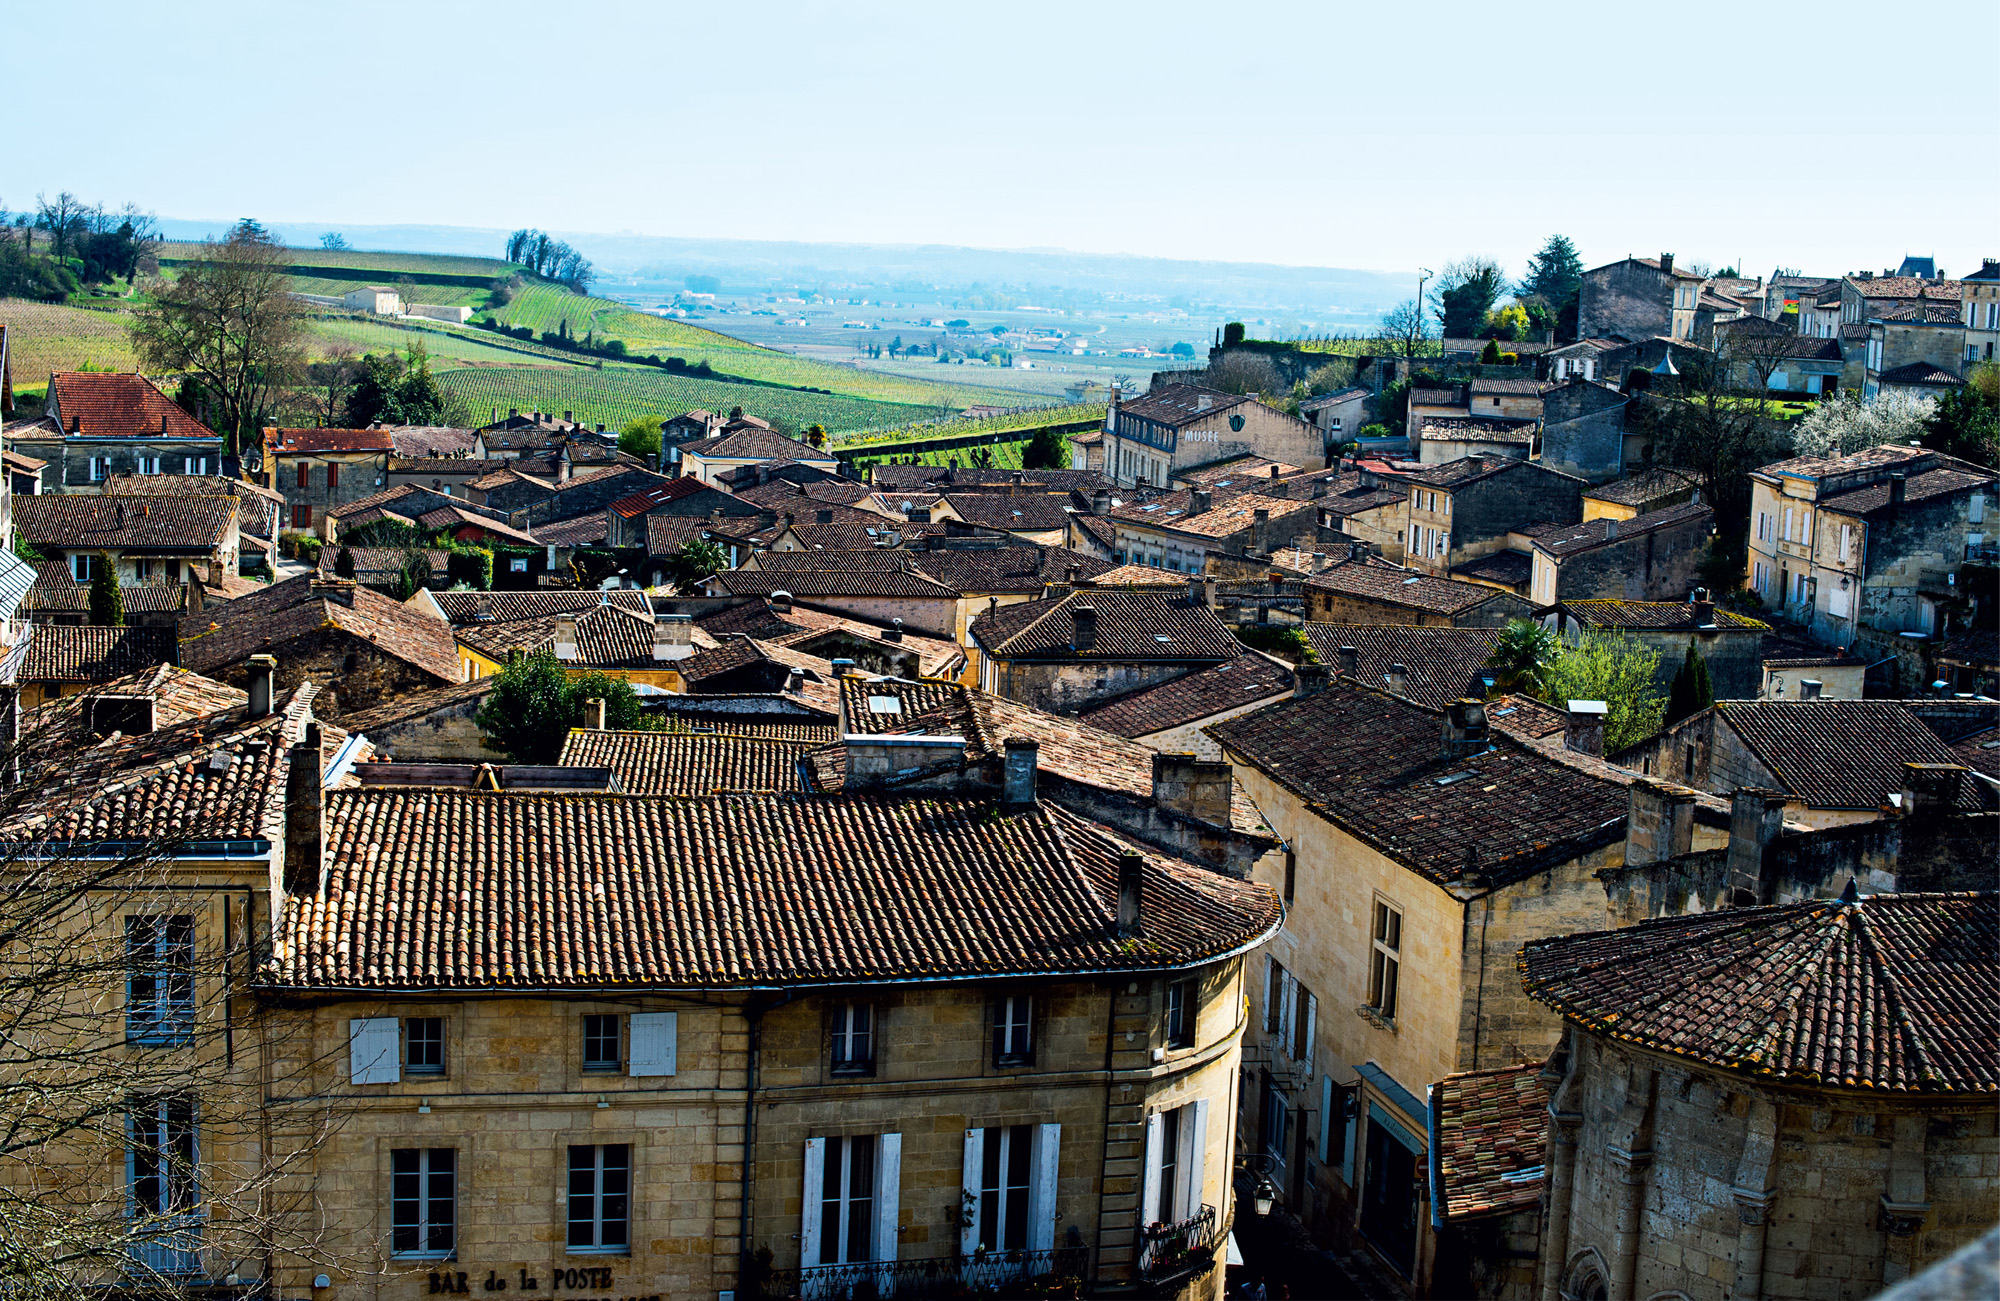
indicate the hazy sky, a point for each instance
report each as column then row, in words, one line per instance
column 1825, row 135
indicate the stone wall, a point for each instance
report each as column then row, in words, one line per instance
column 447, row 734
column 1662, row 564
column 1487, row 509
column 1066, row 688
column 1625, row 298
column 1584, row 431
column 353, row 673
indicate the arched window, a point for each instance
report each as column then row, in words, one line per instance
column 1586, row 1279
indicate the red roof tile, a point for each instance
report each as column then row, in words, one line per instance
column 1489, row 1131
column 120, row 406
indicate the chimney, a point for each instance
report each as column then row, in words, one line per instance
column 1756, row 816
column 1308, row 680
column 593, row 713
column 1017, row 775
column 1204, row 501
column 262, row 669
column 513, row 412
column 894, row 632
column 1398, row 679
column 1704, row 610
column 1198, row 591
column 1274, row 471
column 305, row 836
column 569, row 417
column 1100, row 501
column 874, row 761
column 1809, row 688
column 1464, row 733
column 822, row 517
column 673, row 637
column 566, row 636
column 1584, row 732
column 780, row 602
column 1131, row 879
column 1083, row 627
column 1194, row 788
column 1659, row 822
column 795, row 681
column 1260, row 529
column 338, row 590
column 1898, row 484
column 1610, row 527
column 844, row 668
column 1929, row 789
column 1667, row 263
column 653, row 462
column 1350, row 662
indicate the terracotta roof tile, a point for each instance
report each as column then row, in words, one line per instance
column 226, row 634
column 1644, row 489
column 1407, row 588
column 83, row 521
column 1579, row 538
column 752, row 443
column 1884, row 992
column 1654, row 616
column 983, row 571
column 1490, row 1134
column 1837, row 754
column 1180, row 404
column 607, row 637
column 296, row 442
column 1132, row 624
column 66, row 653
column 684, row 763
column 1445, row 664
column 120, row 406
column 1248, row 679
column 504, row 607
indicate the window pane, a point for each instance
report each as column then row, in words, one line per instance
column 1389, row 989
column 441, row 1203
column 614, row 1211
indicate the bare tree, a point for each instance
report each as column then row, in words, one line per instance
column 63, row 218
column 140, row 1136
column 1702, row 423
column 1752, row 349
column 1405, row 325
column 230, row 321
column 328, row 382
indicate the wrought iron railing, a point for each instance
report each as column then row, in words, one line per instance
column 986, row 1274
column 1182, row 1247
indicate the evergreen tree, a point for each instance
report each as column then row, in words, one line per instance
column 343, row 564
column 534, row 703
column 107, row 602
column 1047, row 450
column 1690, row 692
column 1490, row 355
column 1555, row 273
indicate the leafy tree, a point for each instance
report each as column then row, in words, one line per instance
column 1466, row 292
column 24, row 274
column 399, row 391
column 1405, row 326
column 1509, row 323
column 1847, row 424
column 1047, row 450
column 1521, row 655
column 1966, row 421
column 343, row 564
column 330, row 379
column 1232, row 334
column 1392, row 409
column 533, row 705
column 228, row 320
column 694, row 560
column 641, row 436
column 413, row 577
column 1335, row 374
column 1615, row 669
column 25, row 550
column 816, row 435
column 333, row 240
column 1700, row 424
column 1691, row 691
column 1555, row 272
column 1182, row 349
column 107, row 602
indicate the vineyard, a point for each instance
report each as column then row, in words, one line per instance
column 617, row 394
column 442, row 342
column 1077, row 413
column 1006, row 456
column 390, row 264
column 47, row 337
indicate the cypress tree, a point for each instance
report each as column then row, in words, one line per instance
column 343, row 564
column 107, row 603
column 1690, row 692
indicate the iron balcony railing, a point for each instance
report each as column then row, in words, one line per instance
column 986, row 1274
column 1183, row 1247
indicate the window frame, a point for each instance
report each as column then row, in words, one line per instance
column 1013, row 1035
column 410, row 1065
column 166, row 1128
column 601, row 1066
column 1183, row 1013
column 425, row 1202
column 1385, row 958
column 842, row 1061
column 169, row 955
column 837, row 1232
column 599, row 1170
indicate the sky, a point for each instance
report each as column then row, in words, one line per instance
column 1366, row 135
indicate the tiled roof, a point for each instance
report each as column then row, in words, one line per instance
column 1466, row 469
column 1371, row 764
column 1521, row 347
column 1905, row 287
column 1509, row 568
column 733, row 653
column 686, row 763
column 417, row 441
column 982, row 571
column 752, row 443
column 1477, row 429
column 1132, row 624
column 1180, row 404
column 1887, row 992
column 377, row 565
column 1203, row 693
column 54, row 590
column 783, row 494
column 300, row 442
column 1527, row 388
column 1579, row 538
column 1433, row 397
column 1489, row 1132
column 1930, row 313
column 831, row 582
column 1407, row 588
column 1921, row 372
column 425, row 889
column 1642, row 489
column 66, row 653
column 1979, row 646
column 1234, row 472
column 806, row 514
column 659, row 494
column 1351, row 498
column 936, row 656
column 1333, row 399
column 78, row 521
column 1654, row 616
column 890, row 478
column 1444, row 663
column 1227, row 514
column 607, row 637
column 120, row 406
column 1526, row 717
column 585, row 530
column 264, row 621
column 443, row 465
column 1820, row 467
column 1015, row 511
column 1071, row 748
column 1941, row 482
column 845, row 537
column 1837, row 754
column 465, row 607
column 446, row 517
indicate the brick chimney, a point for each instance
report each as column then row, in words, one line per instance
column 262, row 669
column 305, row 815
column 1083, row 627
column 1308, row 680
column 1465, row 732
column 1131, row 887
column 1194, row 788
column 673, row 637
column 1017, row 774
column 1584, row 730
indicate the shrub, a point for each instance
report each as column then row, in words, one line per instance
column 1232, row 334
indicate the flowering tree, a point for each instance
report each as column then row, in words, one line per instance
column 1847, row 424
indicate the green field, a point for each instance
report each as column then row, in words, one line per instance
column 420, row 292
column 1035, row 418
column 1006, row 456
column 47, row 337
column 616, row 394
column 412, row 264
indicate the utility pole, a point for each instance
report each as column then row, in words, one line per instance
column 1410, row 345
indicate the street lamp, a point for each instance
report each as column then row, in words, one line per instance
column 1264, row 1196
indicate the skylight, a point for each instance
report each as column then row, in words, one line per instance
column 885, row 704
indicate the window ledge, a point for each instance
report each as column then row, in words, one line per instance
column 597, row 1251
column 424, row 1255
column 1375, row 1018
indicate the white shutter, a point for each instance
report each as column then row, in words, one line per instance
column 653, row 1035
column 1197, row 1158
column 975, row 1156
column 809, row 1203
column 1305, row 1053
column 1149, row 1194
column 373, row 1050
column 888, row 1193
column 1042, row 1221
column 1326, row 1119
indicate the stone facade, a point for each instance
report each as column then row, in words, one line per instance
column 1657, row 564
column 1065, row 687
column 1635, row 299
column 354, row 673
column 1584, row 430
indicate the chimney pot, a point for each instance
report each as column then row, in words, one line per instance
column 1584, row 732
column 1019, row 768
column 795, row 681
column 1465, row 731
column 1274, row 471
column 844, row 668
column 262, row 670
column 1131, row 881
column 895, row 632
column 781, row 602
column 1398, row 679
column 593, row 713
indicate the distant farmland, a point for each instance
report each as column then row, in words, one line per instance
column 616, row 394
column 47, row 337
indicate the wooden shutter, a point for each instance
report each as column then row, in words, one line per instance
column 975, row 1155
column 1149, row 1196
column 815, row 1188
column 653, row 1035
column 888, row 1191
column 373, row 1050
column 1042, row 1220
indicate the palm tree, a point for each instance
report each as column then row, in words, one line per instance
column 1523, row 651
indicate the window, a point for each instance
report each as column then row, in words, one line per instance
column 1387, row 956
column 423, row 1202
column 149, row 465
column 159, row 979
column 847, row 1201
column 1305, row 1018
column 194, row 465
column 853, row 1039
column 302, row 516
column 600, row 1198
column 332, row 475
column 1799, row 588
column 160, row 1169
column 1291, row 875
column 302, row 474
column 1272, row 1135
column 100, row 468
column 1182, row 998
column 83, row 567
column 1004, row 1187
column 1169, row 1164
column 1788, row 523
column 601, row 1043
column 423, row 1045
column 1275, row 977
column 1846, row 539
column 1013, row 1031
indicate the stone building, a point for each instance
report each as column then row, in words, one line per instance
column 1638, row 298
column 1732, row 643
column 878, row 586
column 95, row 425
column 1908, row 342
column 1171, row 717
column 1640, row 494
column 1697, row 1148
column 1367, row 590
column 1067, row 652
column 167, row 539
column 1179, row 425
column 744, row 441
column 1181, row 531
column 1583, row 430
column 1980, row 295
column 1652, row 557
column 319, row 469
column 1463, row 510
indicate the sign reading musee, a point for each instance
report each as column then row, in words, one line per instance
column 595, row 1279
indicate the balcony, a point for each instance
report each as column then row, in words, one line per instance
column 1179, row 1250
column 997, row 1274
